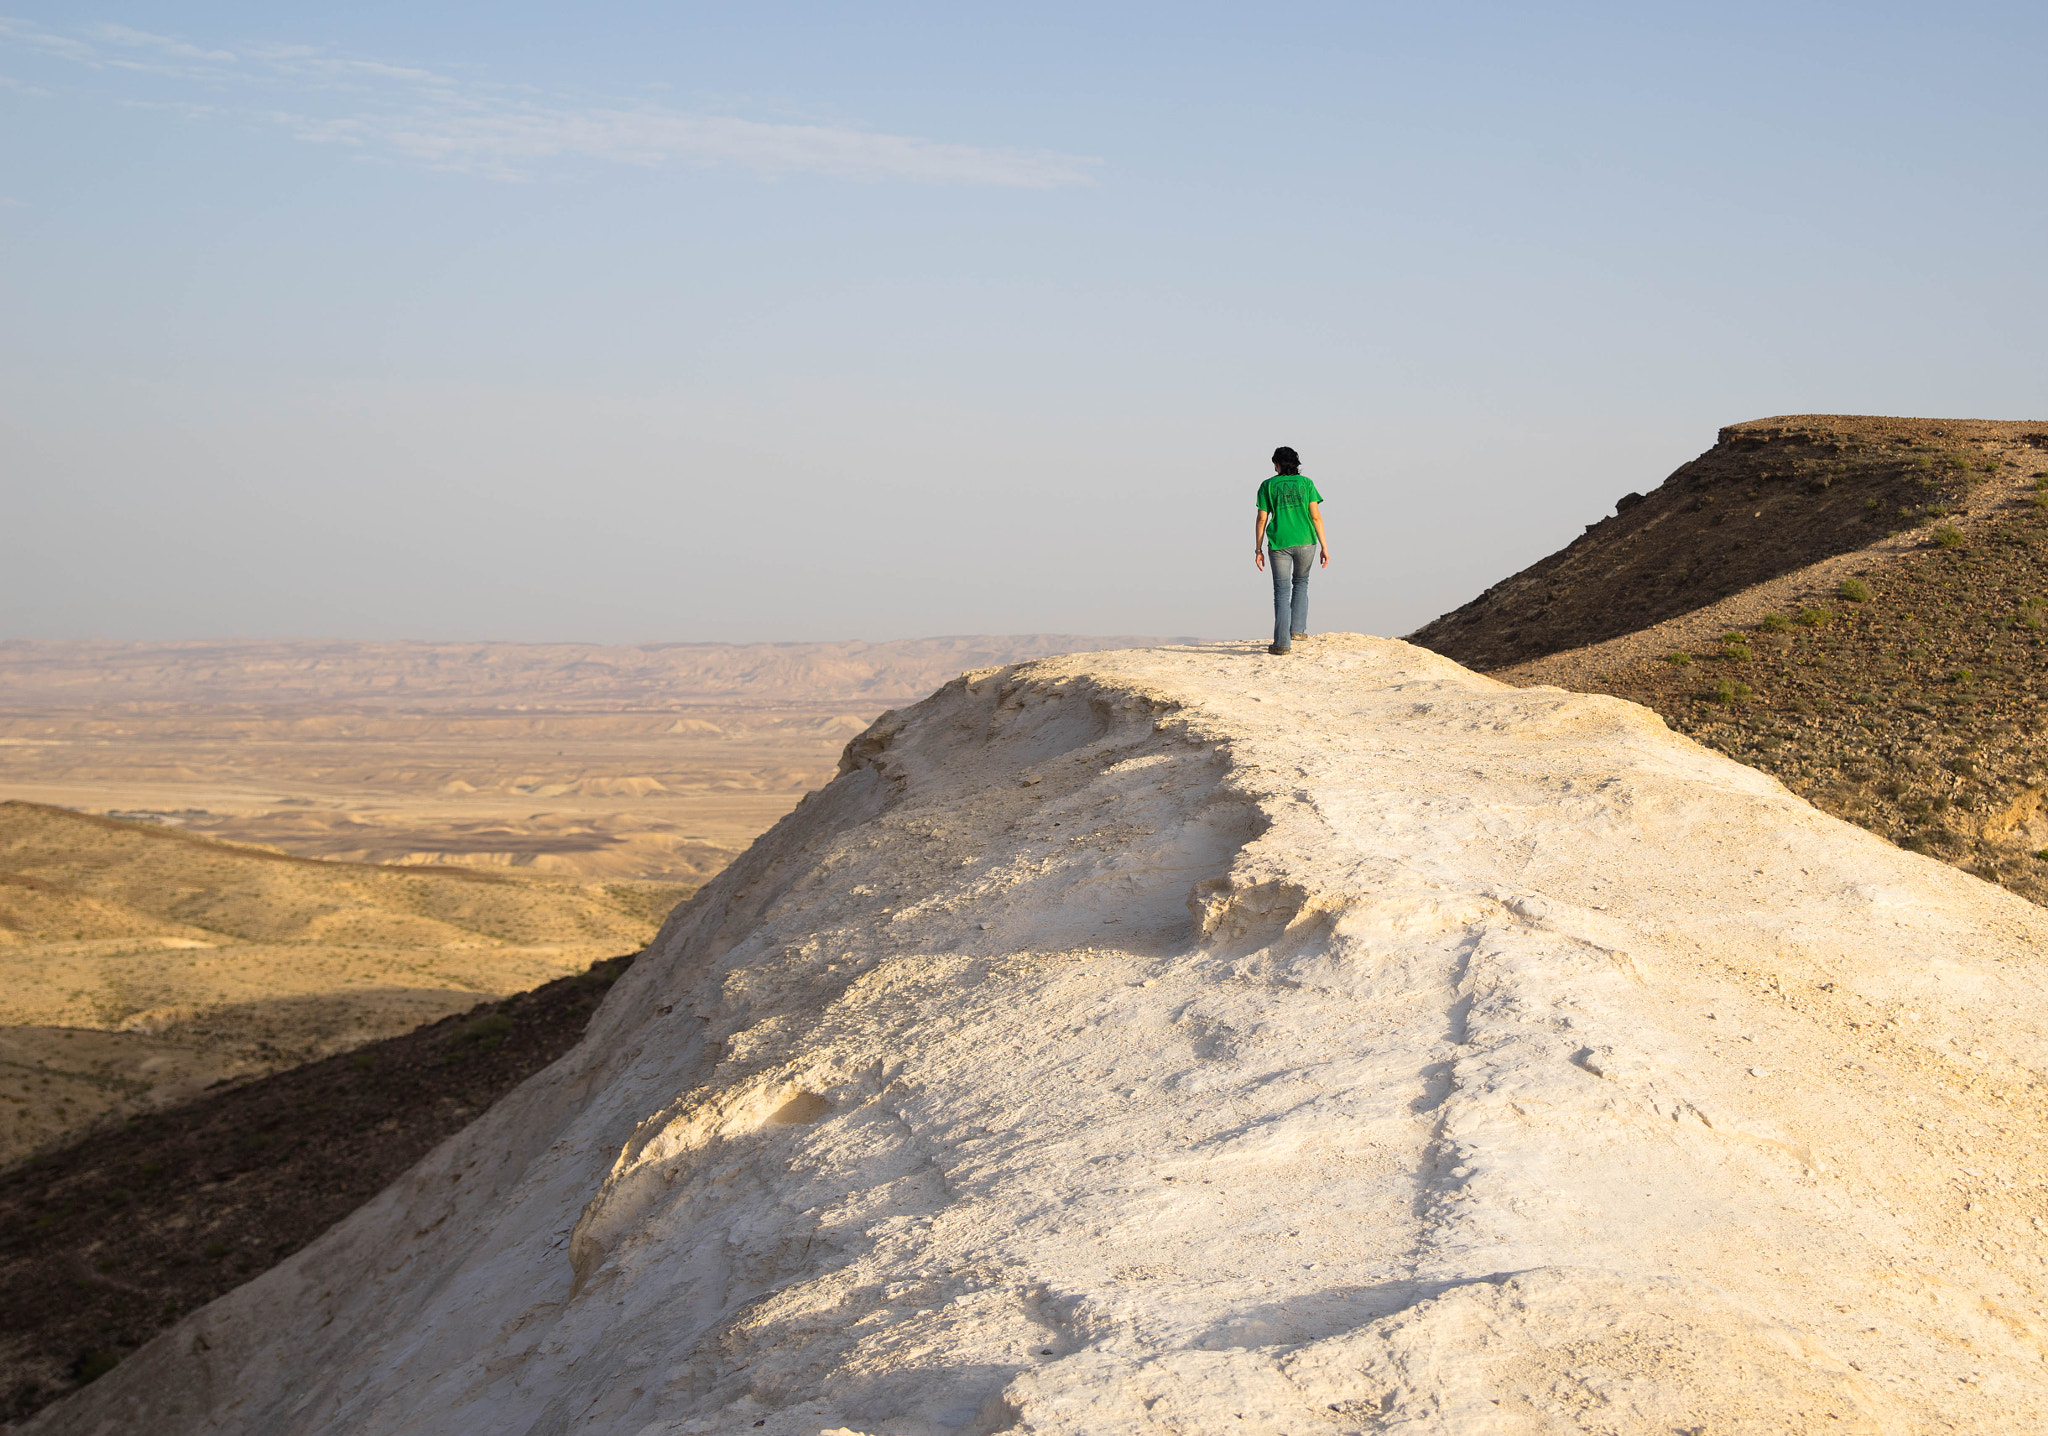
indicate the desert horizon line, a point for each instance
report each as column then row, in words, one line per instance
column 243, row 639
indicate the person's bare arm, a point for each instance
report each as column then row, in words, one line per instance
column 1259, row 542
column 1315, row 516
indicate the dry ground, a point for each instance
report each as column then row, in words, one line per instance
column 107, row 1242
column 567, row 795
column 1517, row 1064
column 437, row 823
column 1883, row 659
column 587, row 795
column 138, row 964
column 656, row 762
column 1913, row 711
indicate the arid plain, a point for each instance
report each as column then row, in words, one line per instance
column 488, row 816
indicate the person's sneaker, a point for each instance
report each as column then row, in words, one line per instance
column 1280, row 648
column 1297, row 637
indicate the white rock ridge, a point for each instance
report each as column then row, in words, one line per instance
column 1185, row 1040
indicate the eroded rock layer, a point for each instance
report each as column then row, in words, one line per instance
column 1186, row 1040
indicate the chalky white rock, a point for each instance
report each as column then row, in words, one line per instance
column 1185, row 1040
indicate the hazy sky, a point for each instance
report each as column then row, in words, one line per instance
column 640, row 322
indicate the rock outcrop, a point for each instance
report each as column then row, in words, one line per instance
column 1187, row 1040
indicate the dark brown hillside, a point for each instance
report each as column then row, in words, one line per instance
column 106, row 1242
column 1771, row 496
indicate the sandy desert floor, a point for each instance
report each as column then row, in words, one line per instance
column 622, row 796
column 140, row 965
column 579, row 760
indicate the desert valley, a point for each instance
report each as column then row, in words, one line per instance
column 654, row 764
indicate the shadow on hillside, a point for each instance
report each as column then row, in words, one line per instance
column 105, row 1243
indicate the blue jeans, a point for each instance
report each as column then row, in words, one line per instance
column 1290, row 590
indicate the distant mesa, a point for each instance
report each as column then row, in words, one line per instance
column 432, row 676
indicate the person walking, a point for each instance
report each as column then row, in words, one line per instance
column 1290, row 524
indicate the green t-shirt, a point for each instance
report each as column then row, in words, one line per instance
column 1287, row 497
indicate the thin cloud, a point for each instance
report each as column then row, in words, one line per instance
column 144, row 40
column 28, row 36
column 510, row 141
column 184, row 108
column 412, row 114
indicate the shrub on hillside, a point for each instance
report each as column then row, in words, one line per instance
column 1948, row 536
column 485, row 1032
column 1679, row 660
column 1728, row 692
column 1815, row 617
column 1776, row 623
column 1855, row 590
column 93, row 1365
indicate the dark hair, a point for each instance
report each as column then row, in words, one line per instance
column 1286, row 460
